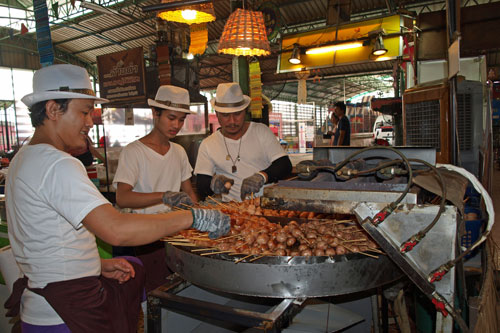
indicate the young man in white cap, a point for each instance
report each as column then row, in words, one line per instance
column 55, row 212
column 152, row 170
column 243, row 156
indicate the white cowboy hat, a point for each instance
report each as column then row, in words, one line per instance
column 61, row 82
column 171, row 98
column 229, row 98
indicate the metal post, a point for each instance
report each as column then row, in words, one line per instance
column 14, row 103
column 7, row 141
column 375, row 314
column 154, row 314
column 452, row 15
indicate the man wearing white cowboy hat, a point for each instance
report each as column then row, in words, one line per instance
column 243, row 156
column 152, row 170
column 55, row 212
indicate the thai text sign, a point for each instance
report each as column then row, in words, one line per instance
column 121, row 75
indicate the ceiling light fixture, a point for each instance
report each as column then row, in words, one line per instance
column 379, row 48
column 244, row 34
column 189, row 12
column 332, row 48
column 295, row 57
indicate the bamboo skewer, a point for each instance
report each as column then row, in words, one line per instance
column 210, row 253
column 200, row 238
column 364, row 253
column 243, row 258
column 335, row 222
column 188, row 206
column 354, row 240
column 375, row 250
column 217, row 202
column 257, row 258
column 207, row 249
column 228, row 237
column 175, row 240
column 183, row 244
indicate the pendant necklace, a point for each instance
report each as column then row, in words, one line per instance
column 229, row 157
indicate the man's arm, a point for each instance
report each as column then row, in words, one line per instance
column 127, row 198
column 120, row 229
column 203, row 186
column 341, row 137
column 188, row 189
column 96, row 154
column 279, row 169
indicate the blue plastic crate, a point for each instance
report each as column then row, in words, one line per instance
column 474, row 198
column 472, row 230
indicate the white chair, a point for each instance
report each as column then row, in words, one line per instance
column 8, row 267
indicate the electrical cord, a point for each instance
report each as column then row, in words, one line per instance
column 411, row 242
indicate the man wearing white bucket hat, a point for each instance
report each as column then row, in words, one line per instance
column 243, row 156
column 55, row 212
column 152, row 170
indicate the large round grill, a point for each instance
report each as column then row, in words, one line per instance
column 282, row 276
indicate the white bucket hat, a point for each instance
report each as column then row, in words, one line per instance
column 171, row 98
column 229, row 98
column 61, row 82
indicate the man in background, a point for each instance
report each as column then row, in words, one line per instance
column 342, row 136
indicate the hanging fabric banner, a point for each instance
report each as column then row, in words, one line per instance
column 199, row 38
column 43, row 39
column 255, row 89
column 302, row 86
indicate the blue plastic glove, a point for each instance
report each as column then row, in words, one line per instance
column 214, row 221
column 177, row 199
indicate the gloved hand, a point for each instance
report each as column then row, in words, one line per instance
column 177, row 199
column 252, row 184
column 214, row 221
column 218, row 184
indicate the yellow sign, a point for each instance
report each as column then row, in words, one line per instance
column 353, row 43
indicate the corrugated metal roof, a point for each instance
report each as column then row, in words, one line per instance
column 95, row 34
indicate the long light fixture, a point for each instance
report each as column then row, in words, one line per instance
column 295, row 57
column 332, row 48
column 244, row 34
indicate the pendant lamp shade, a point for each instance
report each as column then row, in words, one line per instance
column 245, row 34
column 197, row 13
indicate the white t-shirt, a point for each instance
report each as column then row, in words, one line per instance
column 147, row 171
column 259, row 148
column 48, row 194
